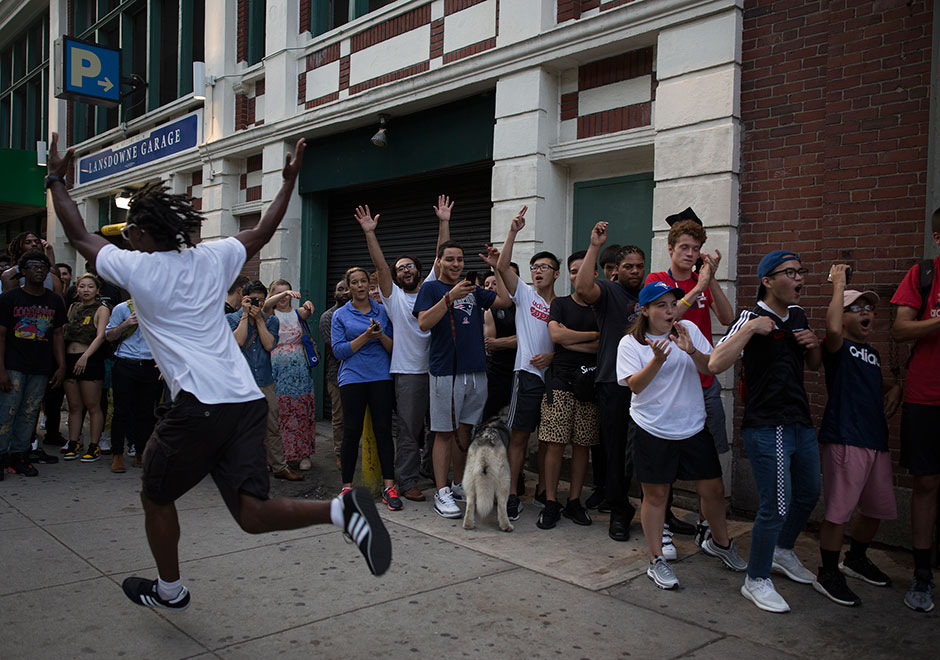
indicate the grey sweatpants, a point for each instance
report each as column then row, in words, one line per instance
column 411, row 396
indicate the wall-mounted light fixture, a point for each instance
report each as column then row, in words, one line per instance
column 380, row 139
column 123, row 199
column 201, row 80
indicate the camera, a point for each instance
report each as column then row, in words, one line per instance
column 255, row 302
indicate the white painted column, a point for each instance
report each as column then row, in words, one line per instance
column 280, row 66
column 221, row 57
column 523, row 19
column 219, row 194
column 697, row 118
column 280, row 258
column 526, row 123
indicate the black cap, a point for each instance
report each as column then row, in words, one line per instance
column 687, row 214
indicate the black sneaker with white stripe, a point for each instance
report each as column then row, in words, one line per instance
column 144, row 592
column 363, row 526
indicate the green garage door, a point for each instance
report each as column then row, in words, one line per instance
column 625, row 202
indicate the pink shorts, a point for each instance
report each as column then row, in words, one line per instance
column 857, row 476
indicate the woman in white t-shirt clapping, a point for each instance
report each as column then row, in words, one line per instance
column 659, row 359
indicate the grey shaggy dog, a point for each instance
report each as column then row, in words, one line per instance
column 486, row 476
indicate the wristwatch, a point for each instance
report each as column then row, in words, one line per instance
column 52, row 178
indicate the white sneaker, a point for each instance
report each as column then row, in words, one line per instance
column 458, row 492
column 761, row 592
column 444, row 504
column 669, row 549
column 786, row 562
column 662, row 574
column 104, row 442
column 131, row 451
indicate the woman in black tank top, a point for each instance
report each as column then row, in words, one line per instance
column 84, row 367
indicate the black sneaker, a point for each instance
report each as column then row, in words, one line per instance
column 702, row 532
column 595, row 499
column 576, row 513
column 549, row 516
column 41, row 457
column 19, row 465
column 513, row 507
column 677, row 526
column 54, row 440
column 144, row 592
column 539, row 499
column 861, row 568
column 831, row 584
column 362, row 525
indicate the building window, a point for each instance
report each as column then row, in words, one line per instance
column 159, row 40
column 328, row 14
column 251, row 31
column 24, row 85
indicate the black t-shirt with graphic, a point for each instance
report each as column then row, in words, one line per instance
column 616, row 309
column 566, row 365
column 854, row 412
column 774, row 394
column 30, row 321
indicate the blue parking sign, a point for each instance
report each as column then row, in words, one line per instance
column 87, row 72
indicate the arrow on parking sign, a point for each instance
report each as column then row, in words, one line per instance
column 106, row 83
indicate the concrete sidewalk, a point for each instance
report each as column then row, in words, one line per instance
column 69, row 536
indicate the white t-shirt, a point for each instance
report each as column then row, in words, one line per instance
column 180, row 304
column 672, row 406
column 410, row 348
column 532, row 335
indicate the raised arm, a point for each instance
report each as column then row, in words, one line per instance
column 369, row 224
column 835, row 311
column 255, row 238
column 65, row 209
column 503, row 269
column 720, row 303
column 503, row 296
column 585, row 285
column 442, row 211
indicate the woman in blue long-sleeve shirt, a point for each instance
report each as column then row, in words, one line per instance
column 362, row 341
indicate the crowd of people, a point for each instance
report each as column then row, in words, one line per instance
column 623, row 369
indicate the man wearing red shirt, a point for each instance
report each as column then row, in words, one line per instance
column 918, row 320
column 702, row 294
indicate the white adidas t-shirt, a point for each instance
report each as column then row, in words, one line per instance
column 532, row 335
column 410, row 348
column 180, row 304
column 672, row 406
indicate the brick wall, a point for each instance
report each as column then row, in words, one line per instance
column 241, row 39
column 834, row 104
column 572, row 9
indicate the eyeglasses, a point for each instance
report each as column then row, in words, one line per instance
column 126, row 230
column 855, row 309
column 790, row 272
column 540, row 268
column 404, row 267
column 36, row 266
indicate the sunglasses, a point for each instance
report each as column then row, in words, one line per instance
column 855, row 309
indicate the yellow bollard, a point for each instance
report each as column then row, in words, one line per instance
column 371, row 470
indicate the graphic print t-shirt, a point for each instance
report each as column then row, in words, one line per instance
column 462, row 326
column 531, row 328
column 30, row 321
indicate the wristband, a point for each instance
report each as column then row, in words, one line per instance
column 694, row 351
column 52, row 178
column 447, row 302
column 685, row 302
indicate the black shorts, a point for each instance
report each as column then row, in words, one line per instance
column 920, row 444
column 94, row 368
column 525, row 408
column 660, row 461
column 193, row 439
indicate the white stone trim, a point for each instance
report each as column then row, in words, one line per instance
column 322, row 81
column 573, row 150
column 399, row 52
column 615, row 95
column 470, row 26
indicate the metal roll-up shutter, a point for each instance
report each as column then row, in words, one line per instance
column 408, row 224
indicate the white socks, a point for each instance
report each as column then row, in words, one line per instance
column 336, row 511
column 169, row 590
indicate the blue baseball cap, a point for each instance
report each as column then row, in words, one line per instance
column 773, row 259
column 655, row 290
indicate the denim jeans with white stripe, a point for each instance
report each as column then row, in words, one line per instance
column 785, row 463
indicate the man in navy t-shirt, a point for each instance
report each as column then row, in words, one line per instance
column 452, row 309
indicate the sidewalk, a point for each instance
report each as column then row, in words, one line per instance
column 70, row 536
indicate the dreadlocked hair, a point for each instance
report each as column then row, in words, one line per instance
column 17, row 245
column 170, row 219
